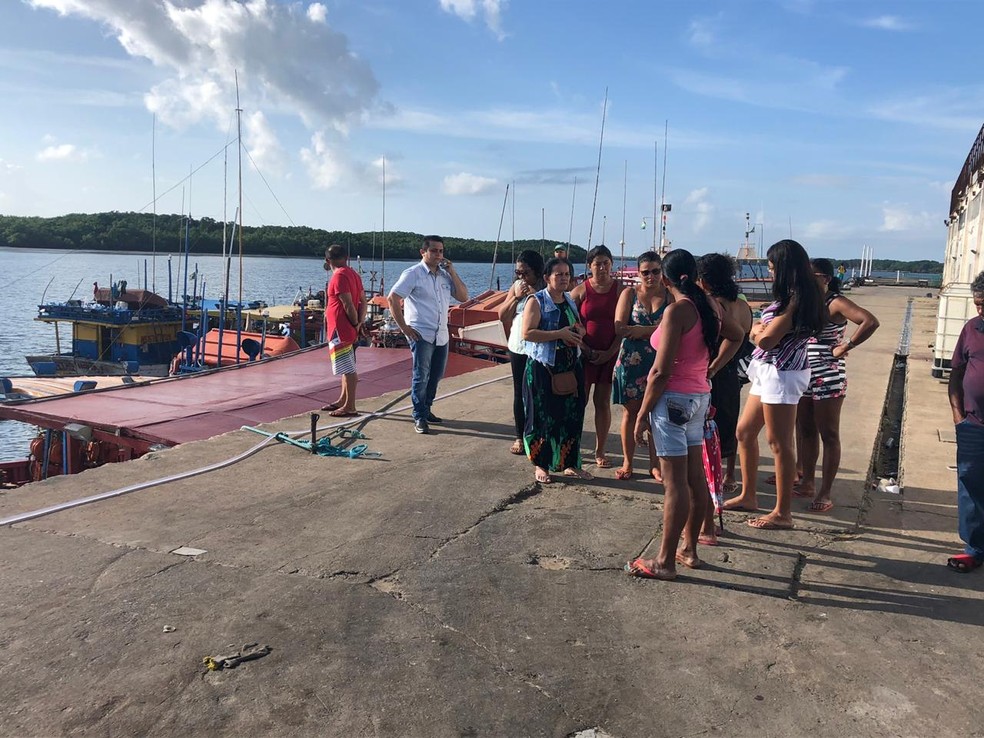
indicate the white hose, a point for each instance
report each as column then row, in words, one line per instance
column 23, row 517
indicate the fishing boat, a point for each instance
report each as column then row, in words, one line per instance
column 120, row 331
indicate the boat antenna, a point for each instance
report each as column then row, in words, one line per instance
column 239, row 148
column 625, row 187
column 153, row 178
column 495, row 251
column 601, row 143
column 570, row 233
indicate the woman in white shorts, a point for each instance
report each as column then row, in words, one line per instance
column 673, row 411
column 779, row 373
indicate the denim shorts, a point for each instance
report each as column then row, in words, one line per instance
column 677, row 422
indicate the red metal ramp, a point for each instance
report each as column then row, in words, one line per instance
column 198, row 406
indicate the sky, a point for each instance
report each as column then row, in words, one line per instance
column 841, row 123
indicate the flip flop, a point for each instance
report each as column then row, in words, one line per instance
column 738, row 508
column 639, row 568
column 343, row 414
column 822, row 506
column 708, row 540
column 963, row 563
column 546, row 479
column 797, row 492
column 517, row 448
column 602, row 462
column 331, row 406
column 730, row 488
column 623, row 474
column 577, row 473
column 766, row 524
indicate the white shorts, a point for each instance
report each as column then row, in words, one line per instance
column 777, row 387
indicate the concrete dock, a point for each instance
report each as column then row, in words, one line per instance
column 436, row 591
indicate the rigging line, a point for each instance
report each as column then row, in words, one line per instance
column 185, row 179
column 274, row 194
column 601, row 143
column 42, row 267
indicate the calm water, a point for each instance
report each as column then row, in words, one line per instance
column 30, row 276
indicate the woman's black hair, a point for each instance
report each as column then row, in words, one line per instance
column 648, row 256
column 826, row 268
column 680, row 268
column 552, row 264
column 600, row 250
column 717, row 271
column 534, row 261
column 793, row 281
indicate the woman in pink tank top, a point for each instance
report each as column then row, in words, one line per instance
column 673, row 411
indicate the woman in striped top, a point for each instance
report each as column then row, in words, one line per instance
column 779, row 373
column 820, row 409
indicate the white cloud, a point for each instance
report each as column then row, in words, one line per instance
column 6, row 167
column 262, row 144
column 61, row 152
column 324, row 164
column 317, row 12
column 697, row 202
column 490, row 10
column 888, row 23
column 897, row 218
column 825, row 229
column 375, row 173
column 288, row 59
column 468, row 184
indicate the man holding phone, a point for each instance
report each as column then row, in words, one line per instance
column 419, row 302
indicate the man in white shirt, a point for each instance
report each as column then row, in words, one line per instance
column 424, row 292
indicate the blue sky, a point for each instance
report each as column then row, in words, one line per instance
column 841, row 122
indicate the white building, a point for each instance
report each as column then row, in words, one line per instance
column 963, row 260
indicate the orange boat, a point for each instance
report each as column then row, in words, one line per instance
column 206, row 353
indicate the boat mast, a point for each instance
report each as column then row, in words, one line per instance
column 382, row 238
column 662, row 196
column 239, row 148
column 601, row 143
column 655, row 192
column 625, row 188
column 153, row 177
column 495, row 251
column 570, row 232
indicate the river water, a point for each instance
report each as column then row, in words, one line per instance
column 29, row 277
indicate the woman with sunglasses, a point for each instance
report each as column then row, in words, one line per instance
column 554, row 337
column 529, row 279
column 818, row 418
column 640, row 308
column 779, row 374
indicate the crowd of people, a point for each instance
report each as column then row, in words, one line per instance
column 673, row 349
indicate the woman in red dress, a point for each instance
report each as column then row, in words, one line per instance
column 597, row 298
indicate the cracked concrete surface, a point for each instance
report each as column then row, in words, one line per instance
column 438, row 592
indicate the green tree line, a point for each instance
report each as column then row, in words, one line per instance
column 117, row 231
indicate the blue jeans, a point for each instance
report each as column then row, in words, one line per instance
column 970, row 486
column 429, row 361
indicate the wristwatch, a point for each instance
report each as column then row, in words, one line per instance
column 850, row 344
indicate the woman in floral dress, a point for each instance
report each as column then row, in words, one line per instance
column 639, row 310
